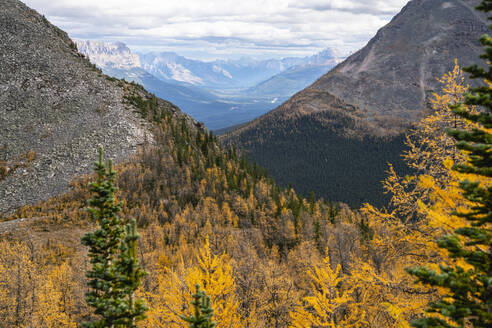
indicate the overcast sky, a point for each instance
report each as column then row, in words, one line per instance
column 208, row 29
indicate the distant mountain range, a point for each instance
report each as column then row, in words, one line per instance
column 220, row 93
column 241, row 73
column 297, row 77
column 336, row 136
column 109, row 55
column 116, row 59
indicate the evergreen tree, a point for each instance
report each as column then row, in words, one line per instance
column 202, row 311
column 468, row 301
column 115, row 273
column 130, row 276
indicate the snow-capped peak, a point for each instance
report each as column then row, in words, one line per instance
column 219, row 69
column 109, row 55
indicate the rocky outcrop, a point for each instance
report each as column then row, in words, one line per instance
column 395, row 73
column 393, row 76
column 55, row 109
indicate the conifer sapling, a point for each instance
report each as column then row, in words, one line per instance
column 115, row 273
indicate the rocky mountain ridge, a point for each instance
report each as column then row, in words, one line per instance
column 394, row 75
column 240, row 73
column 397, row 71
column 56, row 109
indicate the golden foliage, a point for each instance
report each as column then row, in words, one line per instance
column 334, row 302
column 404, row 236
column 18, row 282
column 34, row 290
column 56, row 299
column 430, row 149
column 175, row 290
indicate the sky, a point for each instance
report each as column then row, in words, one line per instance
column 213, row 29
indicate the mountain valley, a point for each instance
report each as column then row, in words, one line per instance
column 220, row 93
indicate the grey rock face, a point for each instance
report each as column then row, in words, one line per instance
column 395, row 73
column 55, row 109
column 390, row 80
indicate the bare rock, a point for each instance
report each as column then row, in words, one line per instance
column 56, row 108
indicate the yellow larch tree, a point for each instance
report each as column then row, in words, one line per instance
column 215, row 276
column 429, row 148
column 428, row 142
column 173, row 296
column 55, row 303
column 273, row 293
column 334, row 303
column 18, row 281
column 445, row 201
column 404, row 236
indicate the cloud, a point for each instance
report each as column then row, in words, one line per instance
column 256, row 27
column 373, row 7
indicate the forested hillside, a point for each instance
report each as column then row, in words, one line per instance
column 308, row 152
column 182, row 189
